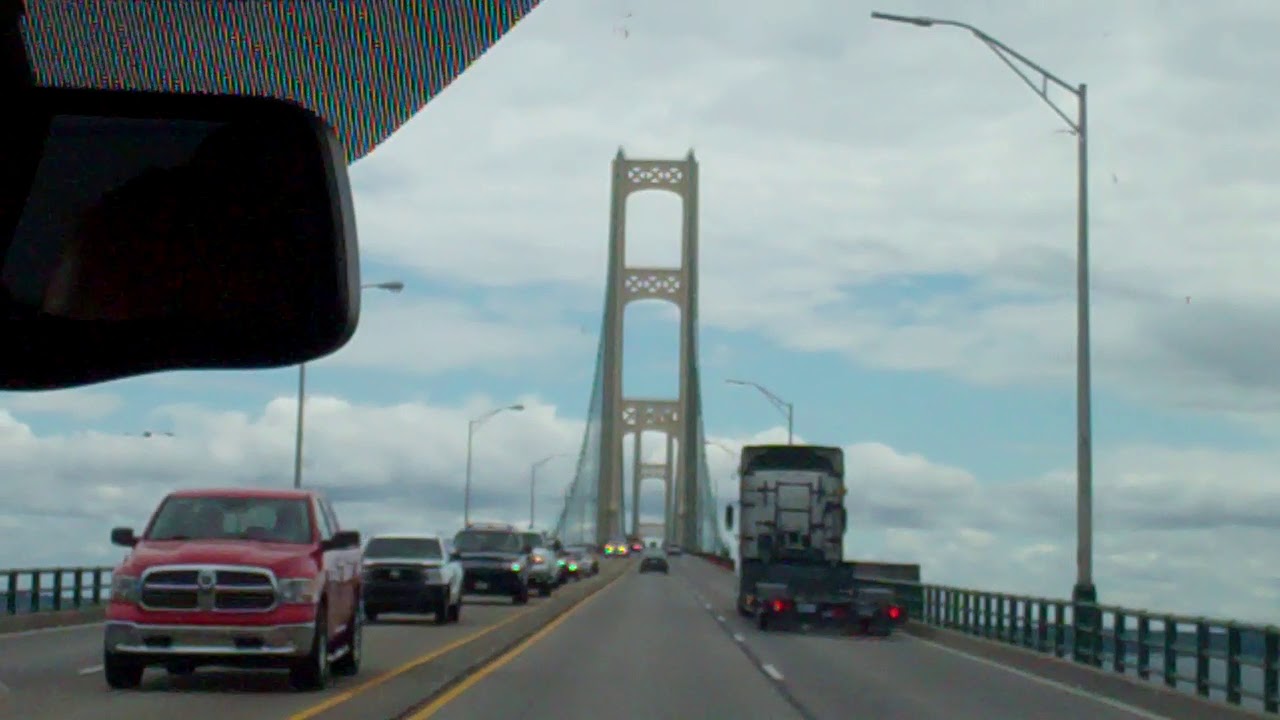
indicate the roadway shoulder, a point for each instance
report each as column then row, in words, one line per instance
column 50, row 619
column 400, row 695
column 1144, row 694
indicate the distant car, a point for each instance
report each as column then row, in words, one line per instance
column 617, row 548
column 494, row 562
column 655, row 560
column 544, row 571
column 674, row 549
column 411, row 573
column 581, row 562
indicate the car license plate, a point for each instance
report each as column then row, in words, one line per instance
column 806, row 608
column 482, row 585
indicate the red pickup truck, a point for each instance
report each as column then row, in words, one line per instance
column 241, row 578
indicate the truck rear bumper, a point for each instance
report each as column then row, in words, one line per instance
column 209, row 641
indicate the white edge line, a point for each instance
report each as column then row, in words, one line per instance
column 43, row 631
column 1070, row 690
column 772, row 672
column 89, row 670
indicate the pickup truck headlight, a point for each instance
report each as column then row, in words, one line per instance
column 299, row 591
column 536, row 560
column 124, row 589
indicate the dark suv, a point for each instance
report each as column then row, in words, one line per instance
column 495, row 561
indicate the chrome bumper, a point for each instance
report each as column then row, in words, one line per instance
column 222, row 640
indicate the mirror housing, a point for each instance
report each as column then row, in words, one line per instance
column 145, row 231
column 455, row 556
column 728, row 517
column 124, row 537
column 342, row 540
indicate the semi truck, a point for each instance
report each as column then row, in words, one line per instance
column 791, row 567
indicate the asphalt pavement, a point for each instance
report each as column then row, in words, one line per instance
column 674, row 647
column 57, row 674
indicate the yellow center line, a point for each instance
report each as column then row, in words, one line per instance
column 346, row 695
column 453, row 693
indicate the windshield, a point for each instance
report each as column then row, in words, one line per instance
column 533, row 540
column 232, row 518
column 425, row 548
column 480, row 541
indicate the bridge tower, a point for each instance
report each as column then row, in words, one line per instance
column 677, row 418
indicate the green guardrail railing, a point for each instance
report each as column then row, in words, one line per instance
column 36, row 590
column 1237, row 663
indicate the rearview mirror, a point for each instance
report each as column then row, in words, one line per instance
column 142, row 232
column 342, row 540
column 123, row 537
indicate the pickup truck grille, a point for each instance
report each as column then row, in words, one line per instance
column 396, row 574
column 231, row 589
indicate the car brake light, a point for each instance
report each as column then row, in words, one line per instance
column 894, row 612
column 779, row 605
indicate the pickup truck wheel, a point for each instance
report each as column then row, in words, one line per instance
column 442, row 612
column 762, row 620
column 521, row 597
column 455, row 611
column 312, row 672
column 122, row 672
column 544, row 590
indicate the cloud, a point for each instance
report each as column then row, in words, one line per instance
column 836, row 163
column 1163, row 518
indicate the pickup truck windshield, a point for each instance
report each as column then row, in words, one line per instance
column 480, row 541
column 232, row 518
column 533, row 540
column 425, row 548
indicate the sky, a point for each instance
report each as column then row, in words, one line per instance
column 887, row 228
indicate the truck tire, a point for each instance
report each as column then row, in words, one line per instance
column 762, row 620
column 455, row 610
column 312, row 671
column 544, row 590
column 442, row 612
column 521, row 597
column 349, row 664
column 122, row 671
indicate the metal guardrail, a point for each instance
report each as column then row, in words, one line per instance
column 1238, row 663
column 35, row 590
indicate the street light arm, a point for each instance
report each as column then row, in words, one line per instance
column 1005, row 53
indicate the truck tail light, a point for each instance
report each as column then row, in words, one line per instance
column 895, row 613
column 779, row 605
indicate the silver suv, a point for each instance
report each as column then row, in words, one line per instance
column 544, row 570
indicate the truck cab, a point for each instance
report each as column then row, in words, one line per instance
column 412, row 573
column 238, row 578
column 790, row 561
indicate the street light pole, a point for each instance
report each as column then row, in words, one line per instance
column 1085, row 592
column 471, row 431
column 394, row 286
column 533, row 481
column 784, row 407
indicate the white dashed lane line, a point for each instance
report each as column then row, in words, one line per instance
column 772, row 672
column 89, row 670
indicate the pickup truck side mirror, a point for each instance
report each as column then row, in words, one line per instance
column 527, row 549
column 455, row 556
column 123, row 537
column 342, row 540
column 728, row 517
